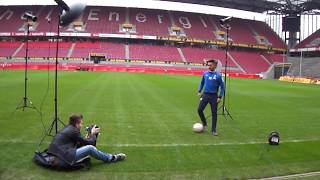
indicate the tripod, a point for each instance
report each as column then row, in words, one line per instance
column 63, row 20
column 225, row 111
column 25, row 102
column 56, row 119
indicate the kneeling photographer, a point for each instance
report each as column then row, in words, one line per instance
column 69, row 146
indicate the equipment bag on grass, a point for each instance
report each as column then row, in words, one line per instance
column 50, row 161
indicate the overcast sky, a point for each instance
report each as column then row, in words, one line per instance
column 151, row 4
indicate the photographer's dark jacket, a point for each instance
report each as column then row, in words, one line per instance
column 66, row 141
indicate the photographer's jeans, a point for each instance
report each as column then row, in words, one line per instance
column 92, row 151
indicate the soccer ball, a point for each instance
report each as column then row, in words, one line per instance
column 197, row 127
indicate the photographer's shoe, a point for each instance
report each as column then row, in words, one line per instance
column 119, row 157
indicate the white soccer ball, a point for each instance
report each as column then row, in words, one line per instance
column 197, row 127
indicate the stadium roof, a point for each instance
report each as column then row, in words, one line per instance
column 283, row 6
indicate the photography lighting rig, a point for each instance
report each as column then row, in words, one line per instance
column 26, row 102
column 66, row 15
column 225, row 24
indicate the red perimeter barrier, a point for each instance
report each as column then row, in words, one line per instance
column 117, row 68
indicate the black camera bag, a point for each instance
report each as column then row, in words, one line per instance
column 51, row 161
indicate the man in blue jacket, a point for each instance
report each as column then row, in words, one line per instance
column 210, row 83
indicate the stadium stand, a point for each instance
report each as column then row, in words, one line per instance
column 309, row 67
column 12, row 18
column 262, row 29
column 110, row 22
column 150, row 22
column 274, row 58
column 7, row 49
column 193, row 25
column 49, row 21
column 103, row 19
column 250, row 62
column 83, row 49
column 44, row 49
column 198, row 55
column 154, row 52
column 110, row 50
column 312, row 41
column 240, row 32
column 97, row 19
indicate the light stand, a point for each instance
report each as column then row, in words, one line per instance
column 65, row 17
column 25, row 102
column 56, row 119
column 225, row 24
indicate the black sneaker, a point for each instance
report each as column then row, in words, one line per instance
column 119, row 157
column 214, row 133
column 205, row 128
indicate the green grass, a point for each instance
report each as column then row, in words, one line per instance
column 149, row 117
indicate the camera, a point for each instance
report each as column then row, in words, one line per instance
column 89, row 129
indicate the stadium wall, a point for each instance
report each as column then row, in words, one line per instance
column 116, row 68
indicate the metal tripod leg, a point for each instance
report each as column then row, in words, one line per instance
column 54, row 124
column 25, row 103
column 226, row 113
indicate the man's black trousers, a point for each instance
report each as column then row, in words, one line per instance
column 210, row 98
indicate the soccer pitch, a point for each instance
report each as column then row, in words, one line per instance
column 150, row 116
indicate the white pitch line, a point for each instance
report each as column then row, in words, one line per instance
column 173, row 144
column 310, row 174
column 204, row 144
